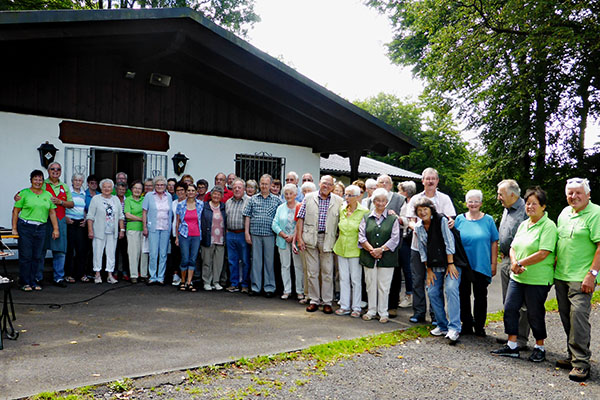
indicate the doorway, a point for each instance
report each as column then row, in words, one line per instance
column 106, row 164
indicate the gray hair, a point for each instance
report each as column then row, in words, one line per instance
column 251, row 183
column 238, row 180
column 511, row 185
column 578, row 182
column 474, row 193
column 107, row 180
column 122, row 185
column 384, row 177
column 380, row 192
column 77, row 175
column 370, row 183
column 218, row 189
column 409, row 187
column 429, row 171
column 54, row 163
column 424, row 202
column 308, row 186
column 267, row 176
column 121, row 173
column 353, row 189
column 159, row 178
column 291, row 187
column 294, row 174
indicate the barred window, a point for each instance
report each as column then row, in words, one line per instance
column 253, row 166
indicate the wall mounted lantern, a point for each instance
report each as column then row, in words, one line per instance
column 47, row 154
column 179, row 162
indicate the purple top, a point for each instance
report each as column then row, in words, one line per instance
column 393, row 241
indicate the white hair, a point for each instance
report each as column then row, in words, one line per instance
column 380, row 192
column 290, row 187
column 294, row 174
column 578, row 182
column 107, row 180
column 371, row 183
column 474, row 193
column 511, row 185
column 430, row 171
column 353, row 189
column 383, row 178
column 409, row 187
column 159, row 178
column 77, row 176
column 121, row 173
column 308, row 186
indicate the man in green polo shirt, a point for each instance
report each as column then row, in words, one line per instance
column 577, row 265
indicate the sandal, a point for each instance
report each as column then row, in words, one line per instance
column 26, row 288
column 85, row 279
column 37, row 288
column 191, row 287
column 183, row 287
column 70, row 279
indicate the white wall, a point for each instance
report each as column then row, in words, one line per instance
column 21, row 135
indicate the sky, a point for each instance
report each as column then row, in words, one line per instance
column 340, row 44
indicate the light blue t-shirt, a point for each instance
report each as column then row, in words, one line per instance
column 477, row 238
column 78, row 210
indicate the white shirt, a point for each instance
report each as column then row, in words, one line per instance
column 442, row 203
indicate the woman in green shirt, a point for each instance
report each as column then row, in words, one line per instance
column 29, row 218
column 133, row 215
column 532, row 275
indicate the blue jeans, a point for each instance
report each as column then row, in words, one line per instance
column 189, row 247
column 31, row 251
column 158, row 242
column 263, row 251
column 450, row 286
column 238, row 250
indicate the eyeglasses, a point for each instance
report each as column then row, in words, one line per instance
column 289, row 179
column 350, row 195
column 54, row 169
column 307, row 180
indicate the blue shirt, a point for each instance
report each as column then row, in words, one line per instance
column 88, row 199
column 261, row 211
column 78, row 210
column 477, row 238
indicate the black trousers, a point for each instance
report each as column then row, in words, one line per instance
column 478, row 283
column 75, row 260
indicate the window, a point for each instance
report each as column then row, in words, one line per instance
column 253, row 166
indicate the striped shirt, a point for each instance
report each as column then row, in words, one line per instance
column 234, row 210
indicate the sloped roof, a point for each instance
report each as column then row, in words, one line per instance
column 336, row 164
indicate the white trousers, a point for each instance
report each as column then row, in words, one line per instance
column 134, row 252
column 378, row 282
column 287, row 256
column 350, row 283
column 107, row 245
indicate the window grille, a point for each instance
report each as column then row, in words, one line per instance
column 77, row 161
column 156, row 164
column 253, row 166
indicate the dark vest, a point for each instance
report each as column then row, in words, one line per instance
column 377, row 236
column 436, row 248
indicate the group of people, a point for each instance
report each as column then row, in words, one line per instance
column 334, row 243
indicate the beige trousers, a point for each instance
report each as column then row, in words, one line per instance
column 319, row 262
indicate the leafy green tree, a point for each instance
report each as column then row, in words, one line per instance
column 442, row 146
column 235, row 15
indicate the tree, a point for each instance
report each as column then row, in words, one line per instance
column 526, row 76
column 234, row 15
column 442, row 146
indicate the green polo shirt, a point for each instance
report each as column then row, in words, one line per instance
column 529, row 240
column 56, row 189
column 347, row 242
column 34, row 207
column 134, row 207
column 578, row 236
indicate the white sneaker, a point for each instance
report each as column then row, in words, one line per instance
column 452, row 335
column 437, row 331
column 176, row 280
column 207, row 287
column 218, row 287
column 406, row 302
column 98, row 279
column 111, row 279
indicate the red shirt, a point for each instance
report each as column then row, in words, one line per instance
column 226, row 195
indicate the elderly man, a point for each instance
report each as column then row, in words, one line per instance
column 259, row 214
column 576, row 274
column 395, row 203
column 514, row 213
column 230, row 178
column 316, row 232
column 237, row 248
column 307, row 177
column 121, row 177
column 292, row 177
column 443, row 205
column 220, row 180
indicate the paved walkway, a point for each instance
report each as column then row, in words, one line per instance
column 135, row 330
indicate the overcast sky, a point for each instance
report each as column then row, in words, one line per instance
column 340, row 44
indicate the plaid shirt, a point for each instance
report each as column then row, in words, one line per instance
column 261, row 212
column 323, row 207
column 234, row 210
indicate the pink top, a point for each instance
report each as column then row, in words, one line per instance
column 162, row 211
column 191, row 219
column 217, row 231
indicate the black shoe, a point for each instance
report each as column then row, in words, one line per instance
column 506, row 351
column 269, row 295
column 579, row 374
column 564, row 364
column 392, row 313
column 538, row 355
column 480, row 332
column 61, row 284
column 252, row 293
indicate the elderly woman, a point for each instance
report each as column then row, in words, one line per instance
column 135, row 228
column 348, row 253
column 532, row 275
column 339, row 189
column 284, row 226
column 407, row 189
column 76, row 233
column 214, row 221
column 436, row 250
column 157, row 216
column 29, row 217
column 189, row 229
column 479, row 237
column 378, row 238
column 370, row 186
column 174, row 256
column 201, row 188
column 251, row 187
column 105, row 221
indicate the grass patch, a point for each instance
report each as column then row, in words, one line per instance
column 121, row 386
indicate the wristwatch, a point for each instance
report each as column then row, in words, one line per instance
column 594, row 272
